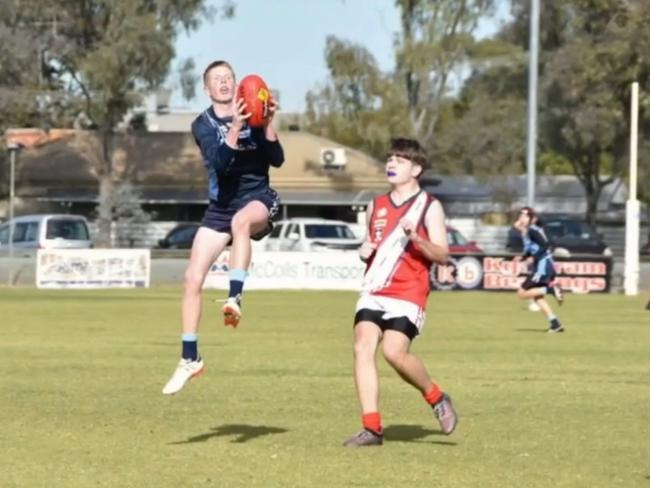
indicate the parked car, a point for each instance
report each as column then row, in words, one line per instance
column 568, row 235
column 305, row 234
column 458, row 244
column 46, row 231
column 180, row 237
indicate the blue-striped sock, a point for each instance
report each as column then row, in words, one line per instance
column 190, row 346
column 237, row 278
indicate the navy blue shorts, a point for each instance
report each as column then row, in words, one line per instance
column 542, row 275
column 219, row 218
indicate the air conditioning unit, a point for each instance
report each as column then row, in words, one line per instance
column 332, row 157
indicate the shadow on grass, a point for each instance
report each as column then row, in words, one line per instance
column 412, row 433
column 242, row 433
column 532, row 330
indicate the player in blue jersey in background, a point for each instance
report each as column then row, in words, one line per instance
column 242, row 204
column 541, row 279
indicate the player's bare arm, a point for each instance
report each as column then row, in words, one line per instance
column 368, row 248
column 435, row 248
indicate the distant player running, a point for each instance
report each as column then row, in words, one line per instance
column 541, row 279
column 242, row 204
column 406, row 234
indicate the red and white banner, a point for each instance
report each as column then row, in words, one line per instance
column 498, row 273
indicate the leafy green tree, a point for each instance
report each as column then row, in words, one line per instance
column 21, row 63
column 355, row 107
column 436, row 40
column 586, row 90
column 486, row 134
column 96, row 59
column 363, row 107
column 130, row 217
column 591, row 52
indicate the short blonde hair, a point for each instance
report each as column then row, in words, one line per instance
column 216, row 64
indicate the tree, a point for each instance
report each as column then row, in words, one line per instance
column 586, row 90
column 485, row 135
column 363, row 107
column 100, row 55
column 357, row 106
column 435, row 41
column 591, row 52
column 130, row 217
column 19, row 78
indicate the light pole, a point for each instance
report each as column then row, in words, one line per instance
column 13, row 150
column 533, row 54
column 632, row 206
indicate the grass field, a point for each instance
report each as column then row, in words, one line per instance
column 82, row 372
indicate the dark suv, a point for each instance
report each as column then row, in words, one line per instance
column 180, row 237
column 568, row 235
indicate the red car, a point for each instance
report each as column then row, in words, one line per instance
column 458, row 244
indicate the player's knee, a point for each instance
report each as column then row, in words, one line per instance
column 240, row 225
column 521, row 293
column 363, row 349
column 193, row 280
column 394, row 356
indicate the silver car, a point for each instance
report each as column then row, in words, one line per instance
column 48, row 231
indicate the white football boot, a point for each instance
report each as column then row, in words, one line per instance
column 231, row 312
column 185, row 371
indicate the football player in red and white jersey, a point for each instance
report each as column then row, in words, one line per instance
column 406, row 235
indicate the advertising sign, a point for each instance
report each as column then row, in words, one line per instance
column 93, row 268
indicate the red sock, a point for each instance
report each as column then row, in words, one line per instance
column 433, row 395
column 372, row 421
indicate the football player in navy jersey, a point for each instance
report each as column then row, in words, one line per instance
column 242, row 203
column 541, row 279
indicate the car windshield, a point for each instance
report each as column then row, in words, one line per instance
column 328, row 231
column 183, row 234
column 75, row 230
column 569, row 228
column 455, row 238
column 276, row 231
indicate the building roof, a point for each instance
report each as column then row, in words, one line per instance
column 471, row 187
column 168, row 168
column 468, row 195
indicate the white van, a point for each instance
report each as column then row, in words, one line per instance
column 50, row 231
column 311, row 234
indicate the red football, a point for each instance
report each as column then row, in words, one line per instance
column 255, row 93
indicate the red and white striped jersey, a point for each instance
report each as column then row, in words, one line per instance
column 409, row 278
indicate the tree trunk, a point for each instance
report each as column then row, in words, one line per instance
column 592, row 195
column 105, row 211
column 105, row 206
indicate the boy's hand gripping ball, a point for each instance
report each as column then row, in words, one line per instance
column 255, row 93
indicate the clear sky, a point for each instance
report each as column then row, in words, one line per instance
column 284, row 40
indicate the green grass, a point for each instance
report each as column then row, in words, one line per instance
column 82, row 372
